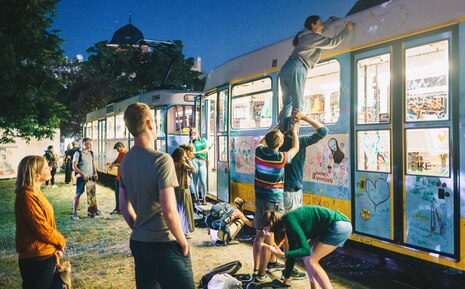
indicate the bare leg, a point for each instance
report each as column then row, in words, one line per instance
column 76, row 203
column 259, row 238
column 265, row 255
column 319, row 275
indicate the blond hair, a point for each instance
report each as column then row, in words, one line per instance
column 28, row 168
column 135, row 117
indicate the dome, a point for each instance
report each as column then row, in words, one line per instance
column 127, row 35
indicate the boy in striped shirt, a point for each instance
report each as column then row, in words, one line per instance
column 269, row 188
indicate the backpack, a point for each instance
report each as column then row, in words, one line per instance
column 275, row 284
column 218, row 217
column 230, row 268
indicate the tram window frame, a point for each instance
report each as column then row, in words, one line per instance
column 120, row 126
column 88, row 130
column 325, row 101
column 181, row 122
column 361, row 97
column 424, row 160
column 385, row 155
column 413, row 111
column 94, row 134
column 248, row 95
column 110, row 129
column 160, row 120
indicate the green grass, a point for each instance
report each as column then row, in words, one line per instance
column 97, row 248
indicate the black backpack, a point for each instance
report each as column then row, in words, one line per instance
column 218, row 217
column 275, row 284
column 230, row 268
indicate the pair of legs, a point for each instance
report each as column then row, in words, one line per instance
column 292, row 79
column 80, row 185
column 52, row 180
column 261, row 256
column 37, row 273
column 116, row 196
column 161, row 265
column 316, row 273
column 200, row 177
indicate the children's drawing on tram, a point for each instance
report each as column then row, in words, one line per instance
column 243, row 150
column 372, row 205
column 327, row 162
column 429, row 212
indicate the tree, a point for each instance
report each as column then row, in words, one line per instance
column 112, row 74
column 29, row 54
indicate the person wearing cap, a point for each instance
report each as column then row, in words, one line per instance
column 122, row 150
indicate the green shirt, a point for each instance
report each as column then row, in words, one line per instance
column 200, row 145
column 304, row 223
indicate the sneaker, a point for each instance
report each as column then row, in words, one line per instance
column 232, row 242
column 115, row 212
column 274, row 266
column 75, row 217
column 54, row 186
column 260, row 279
column 99, row 213
column 296, row 275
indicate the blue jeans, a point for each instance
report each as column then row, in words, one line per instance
column 161, row 266
column 37, row 274
column 292, row 79
column 200, row 177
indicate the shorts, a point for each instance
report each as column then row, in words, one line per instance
column 337, row 234
column 80, row 186
column 261, row 207
column 292, row 200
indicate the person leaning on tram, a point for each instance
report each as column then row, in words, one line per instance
column 200, row 162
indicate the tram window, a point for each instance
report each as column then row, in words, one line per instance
column 180, row 118
column 252, row 104
column 428, row 151
column 160, row 120
column 322, row 91
column 374, row 151
column 89, row 130
column 110, row 127
column 94, row 134
column 120, row 126
column 222, row 111
column 427, row 82
column 373, row 89
column 212, row 115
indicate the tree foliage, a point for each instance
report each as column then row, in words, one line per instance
column 111, row 74
column 29, row 56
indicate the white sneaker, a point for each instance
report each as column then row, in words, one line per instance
column 75, row 217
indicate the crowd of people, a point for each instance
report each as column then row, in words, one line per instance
column 155, row 193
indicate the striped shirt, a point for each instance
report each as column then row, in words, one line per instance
column 269, row 173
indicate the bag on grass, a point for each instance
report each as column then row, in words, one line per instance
column 230, row 268
column 275, row 284
column 62, row 277
column 218, row 217
column 224, row 281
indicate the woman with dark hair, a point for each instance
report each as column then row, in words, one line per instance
column 309, row 44
column 183, row 194
column 313, row 232
column 37, row 237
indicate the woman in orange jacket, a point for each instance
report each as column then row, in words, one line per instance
column 37, row 238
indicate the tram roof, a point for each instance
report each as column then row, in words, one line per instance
column 154, row 98
column 376, row 25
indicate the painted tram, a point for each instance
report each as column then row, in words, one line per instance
column 392, row 96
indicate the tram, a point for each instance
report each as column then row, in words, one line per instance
column 392, row 96
column 174, row 114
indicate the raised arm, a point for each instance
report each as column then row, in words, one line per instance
column 295, row 139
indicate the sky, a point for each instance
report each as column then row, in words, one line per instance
column 215, row 30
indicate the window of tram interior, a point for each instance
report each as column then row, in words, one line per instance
column 373, row 89
column 120, row 126
column 94, row 134
column 322, row 92
column 428, row 151
column 110, row 127
column 180, row 118
column 427, row 82
column 223, row 112
column 252, row 104
column 160, row 114
column 374, row 151
column 89, row 130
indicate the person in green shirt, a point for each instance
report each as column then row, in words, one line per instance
column 313, row 232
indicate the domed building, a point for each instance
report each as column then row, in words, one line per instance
column 127, row 35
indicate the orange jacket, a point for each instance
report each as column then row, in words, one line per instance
column 36, row 231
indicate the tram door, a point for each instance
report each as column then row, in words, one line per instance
column 101, row 143
column 403, row 171
column 208, row 130
column 222, row 148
